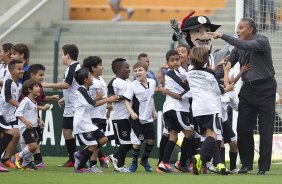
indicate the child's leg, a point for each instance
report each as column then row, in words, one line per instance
column 164, row 140
column 135, row 154
column 233, row 154
column 123, row 149
column 5, row 140
column 11, row 146
column 186, row 147
column 27, row 153
column 69, row 139
column 85, row 157
column 170, row 146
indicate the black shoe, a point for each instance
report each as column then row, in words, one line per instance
column 243, row 170
column 261, row 172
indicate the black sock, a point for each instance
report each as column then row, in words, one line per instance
column 4, row 142
column 233, row 160
column 71, row 147
column 111, row 137
column 216, row 155
column 92, row 162
column 123, row 149
column 135, row 155
column 222, row 154
column 207, row 148
column 37, row 157
column 84, row 159
column 186, row 143
column 163, row 142
column 168, row 151
column 147, row 152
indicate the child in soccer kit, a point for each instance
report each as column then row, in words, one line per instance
column 99, row 114
column 87, row 133
column 142, row 114
column 36, row 73
column 119, row 114
column 9, row 102
column 176, row 115
column 206, row 92
column 69, row 57
column 27, row 114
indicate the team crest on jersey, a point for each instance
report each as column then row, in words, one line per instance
column 89, row 135
column 124, row 133
column 141, row 137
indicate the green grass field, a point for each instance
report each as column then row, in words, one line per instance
column 55, row 175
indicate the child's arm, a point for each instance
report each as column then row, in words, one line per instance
column 8, row 93
column 13, row 102
column 51, row 98
column 60, row 85
column 27, row 123
column 133, row 115
column 113, row 98
column 160, row 75
column 61, row 102
column 44, row 107
column 226, row 69
column 243, row 69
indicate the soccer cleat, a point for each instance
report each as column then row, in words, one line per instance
column 221, row 169
column 184, row 169
column 40, row 165
column 68, row 163
column 133, row 167
column 2, row 169
column 234, row 171
column 113, row 161
column 122, row 169
column 130, row 12
column 77, row 159
column 82, row 170
column 30, row 167
column 104, row 162
column 158, row 170
column 9, row 164
column 94, row 169
column 146, row 165
column 197, row 164
column 18, row 162
column 165, row 167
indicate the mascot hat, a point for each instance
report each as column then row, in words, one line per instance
column 190, row 23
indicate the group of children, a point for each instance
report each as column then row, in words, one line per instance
column 196, row 104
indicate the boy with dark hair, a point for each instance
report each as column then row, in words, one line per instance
column 27, row 113
column 176, row 115
column 9, row 102
column 119, row 114
column 86, row 132
column 99, row 114
column 69, row 85
column 36, row 72
column 142, row 114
